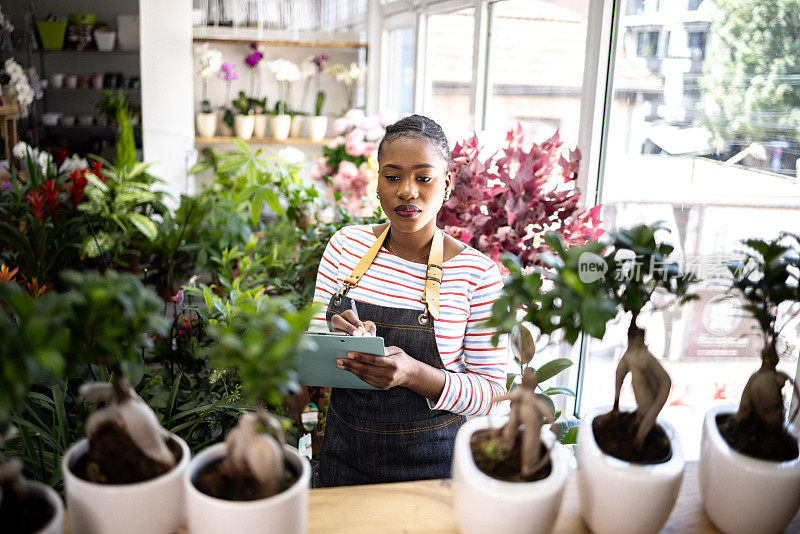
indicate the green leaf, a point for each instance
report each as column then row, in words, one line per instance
column 242, row 146
column 559, row 391
column 144, row 225
column 571, row 437
column 273, row 201
column 552, row 368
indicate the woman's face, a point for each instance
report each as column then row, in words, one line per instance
column 411, row 183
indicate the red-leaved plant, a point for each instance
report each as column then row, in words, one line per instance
column 507, row 202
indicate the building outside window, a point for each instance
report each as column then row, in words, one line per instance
column 697, row 45
column 647, row 44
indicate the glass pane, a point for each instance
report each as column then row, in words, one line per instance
column 449, row 71
column 401, row 70
column 539, row 88
column 703, row 137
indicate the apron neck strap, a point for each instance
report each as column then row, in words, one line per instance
column 433, row 274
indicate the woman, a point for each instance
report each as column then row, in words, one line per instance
column 426, row 294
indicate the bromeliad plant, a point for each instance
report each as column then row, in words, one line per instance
column 507, row 202
column 767, row 280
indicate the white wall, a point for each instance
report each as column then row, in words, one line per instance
column 167, row 104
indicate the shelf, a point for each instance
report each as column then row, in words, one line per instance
column 92, row 52
column 83, row 90
column 211, row 34
column 261, row 140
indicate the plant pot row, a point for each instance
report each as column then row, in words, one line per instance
column 163, row 504
column 280, row 127
column 740, row 494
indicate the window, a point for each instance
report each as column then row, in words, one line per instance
column 640, row 7
column 647, row 43
column 540, row 88
column 665, row 161
column 697, row 45
column 450, row 46
column 400, row 80
column 694, row 4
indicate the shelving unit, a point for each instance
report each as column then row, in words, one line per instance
column 223, row 34
column 262, row 140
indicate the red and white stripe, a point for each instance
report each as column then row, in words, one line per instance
column 475, row 370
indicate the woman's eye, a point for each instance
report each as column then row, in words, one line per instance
column 392, row 178
column 424, row 178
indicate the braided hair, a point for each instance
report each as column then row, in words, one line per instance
column 418, row 127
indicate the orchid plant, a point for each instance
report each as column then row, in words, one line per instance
column 252, row 60
column 25, row 90
column 351, row 77
column 318, row 61
column 210, row 64
column 286, row 73
column 228, row 73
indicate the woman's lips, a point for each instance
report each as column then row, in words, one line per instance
column 407, row 210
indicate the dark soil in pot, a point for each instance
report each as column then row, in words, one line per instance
column 615, row 433
column 752, row 439
column 216, row 482
column 114, row 459
column 502, row 465
column 25, row 515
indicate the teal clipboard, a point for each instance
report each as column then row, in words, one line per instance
column 317, row 367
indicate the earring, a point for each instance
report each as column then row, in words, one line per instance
column 377, row 195
column 447, row 195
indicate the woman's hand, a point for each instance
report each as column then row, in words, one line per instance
column 396, row 368
column 348, row 323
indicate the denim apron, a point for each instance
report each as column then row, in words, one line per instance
column 376, row 436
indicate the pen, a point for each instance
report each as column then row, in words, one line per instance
column 355, row 312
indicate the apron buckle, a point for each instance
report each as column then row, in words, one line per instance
column 337, row 297
column 423, row 317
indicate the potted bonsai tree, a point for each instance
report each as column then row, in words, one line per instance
column 31, row 342
column 253, row 482
column 511, row 478
column 126, row 476
column 630, row 463
column 749, row 466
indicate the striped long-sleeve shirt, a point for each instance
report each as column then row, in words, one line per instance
column 475, row 370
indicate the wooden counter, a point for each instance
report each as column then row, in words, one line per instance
column 425, row 507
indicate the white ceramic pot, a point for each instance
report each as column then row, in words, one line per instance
column 56, row 523
column 284, row 513
column 296, row 129
column 279, row 126
column 243, row 126
column 317, row 128
column 105, row 40
column 154, row 506
column 260, row 126
column 618, row 497
column 485, row 504
column 742, row 494
column 206, row 124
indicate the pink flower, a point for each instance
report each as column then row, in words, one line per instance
column 341, row 125
column 374, row 133
column 354, row 147
column 355, row 116
column 368, row 149
column 319, row 169
column 336, row 142
column 347, row 170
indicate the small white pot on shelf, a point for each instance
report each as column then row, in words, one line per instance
column 485, row 504
column 284, row 513
column 260, row 123
column 742, row 494
column 154, row 506
column 243, row 126
column 317, row 127
column 206, row 124
column 105, row 40
column 279, row 126
column 43, row 492
column 296, row 129
column 619, row 497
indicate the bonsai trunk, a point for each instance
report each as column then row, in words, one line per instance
column 761, row 398
column 651, row 383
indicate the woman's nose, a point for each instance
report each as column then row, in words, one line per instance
column 408, row 190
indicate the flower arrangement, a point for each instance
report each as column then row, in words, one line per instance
column 210, row 64
column 286, row 73
column 318, row 67
column 24, row 90
column 508, row 201
column 350, row 160
column 351, row 78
